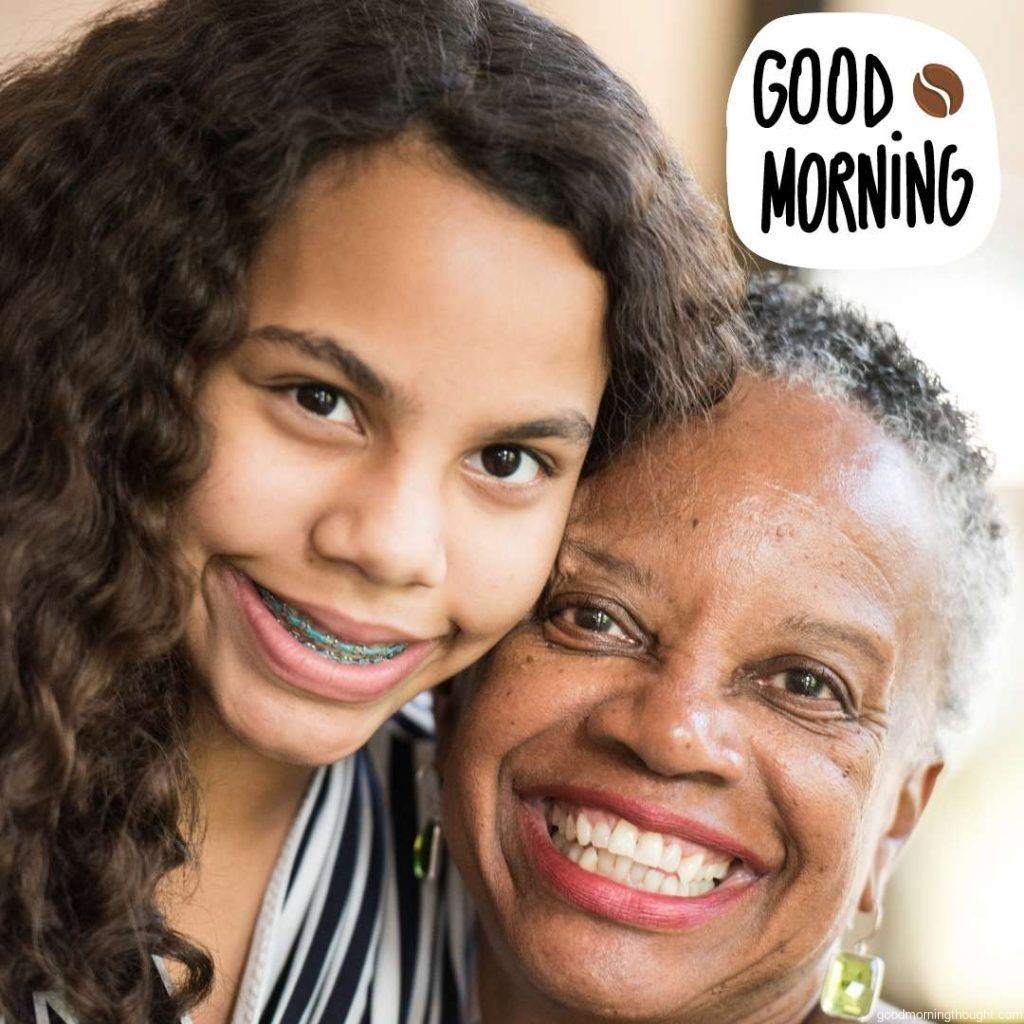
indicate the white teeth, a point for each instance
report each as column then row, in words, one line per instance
column 589, row 859
column 689, row 866
column 648, row 849
column 642, row 860
column 719, row 870
column 583, row 830
column 623, row 839
column 652, row 880
column 670, row 858
column 620, row 870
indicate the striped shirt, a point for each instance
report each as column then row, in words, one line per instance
column 346, row 934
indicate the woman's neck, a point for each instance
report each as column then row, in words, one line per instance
column 508, row 998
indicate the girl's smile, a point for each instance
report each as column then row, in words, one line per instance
column 316, row 636
column 340, row 666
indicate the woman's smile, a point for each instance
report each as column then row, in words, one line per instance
column 635, row 863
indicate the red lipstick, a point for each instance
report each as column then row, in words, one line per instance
column 604, row 897
column 651, row 818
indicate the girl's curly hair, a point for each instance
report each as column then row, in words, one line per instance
column 139, row 168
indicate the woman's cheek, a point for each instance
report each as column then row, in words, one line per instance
column 820, row 796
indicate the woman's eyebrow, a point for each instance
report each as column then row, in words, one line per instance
column 820, row 629
column 331, row 351
column 638, row 576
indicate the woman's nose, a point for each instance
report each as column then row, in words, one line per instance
column 389, row 525
column 674, row 729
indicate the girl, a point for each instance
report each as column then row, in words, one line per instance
column 308, row 314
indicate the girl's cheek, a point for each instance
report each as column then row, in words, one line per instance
column 255, row 482
column 252, row 494
column 499, row 563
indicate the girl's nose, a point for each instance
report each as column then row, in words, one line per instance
column 390, row 527
column 675, row 727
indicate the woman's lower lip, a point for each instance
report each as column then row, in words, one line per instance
column 604, row 898
column 305, row 669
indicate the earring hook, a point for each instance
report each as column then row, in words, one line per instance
column 876, row 921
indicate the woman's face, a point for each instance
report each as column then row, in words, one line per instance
column 732, row 676
column 394, row 449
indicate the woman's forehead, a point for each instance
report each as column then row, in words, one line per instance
column 817, row 476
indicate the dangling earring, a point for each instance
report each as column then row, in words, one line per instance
column 426, row 848
column 853, row 981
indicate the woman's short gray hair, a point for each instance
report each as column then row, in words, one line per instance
column 806, row 336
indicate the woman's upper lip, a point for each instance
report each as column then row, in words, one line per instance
column 343, row 626
column 651, row 818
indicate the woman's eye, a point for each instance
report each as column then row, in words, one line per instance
column 592, row 620
column 507, row 463
column 802, row 682
column 323, row 401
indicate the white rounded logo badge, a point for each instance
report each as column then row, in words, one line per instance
column 860, row 141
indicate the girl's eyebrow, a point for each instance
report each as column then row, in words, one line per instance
column 570, row 425
column 329, row 350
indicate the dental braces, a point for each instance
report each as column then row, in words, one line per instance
column 323, row 643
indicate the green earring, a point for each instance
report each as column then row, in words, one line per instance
column 853, row 980
column 426, row 852
column 426, row 848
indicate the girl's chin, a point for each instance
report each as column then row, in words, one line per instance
column 284, row 727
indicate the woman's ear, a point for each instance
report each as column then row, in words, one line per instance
column 911, row 800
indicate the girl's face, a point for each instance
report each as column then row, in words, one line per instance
column 394, row 449
column 668, row 795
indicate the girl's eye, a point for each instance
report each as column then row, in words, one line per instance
column 592, row 620
column 802, row 682
column 323, row 401
column 507, row 463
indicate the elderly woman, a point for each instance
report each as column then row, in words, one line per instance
column 671, row 792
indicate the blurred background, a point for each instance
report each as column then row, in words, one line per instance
column 953, row 935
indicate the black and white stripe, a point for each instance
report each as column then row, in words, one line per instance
column 346, row 934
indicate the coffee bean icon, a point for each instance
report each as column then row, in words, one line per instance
column 938, row 90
